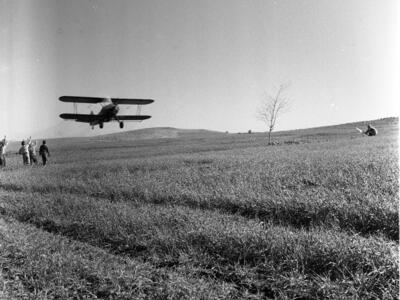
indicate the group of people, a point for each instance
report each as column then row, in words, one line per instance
column 27, row 150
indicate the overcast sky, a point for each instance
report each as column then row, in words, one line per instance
column 206, row 63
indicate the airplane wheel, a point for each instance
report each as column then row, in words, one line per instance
column 121, row 125
column 101, row 125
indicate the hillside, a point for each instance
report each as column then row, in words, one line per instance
column 386, row 124
column 70, row 130
column 157, row 133
column 200, row 140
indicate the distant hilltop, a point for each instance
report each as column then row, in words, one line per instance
column 72, row 129
column 158, row 133
column 170, row 132
column 345, row 128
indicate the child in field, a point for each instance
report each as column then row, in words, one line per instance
column 24, row 151
column 3, row 145
column 32, row 151
column 44, row 152
column 371, row 131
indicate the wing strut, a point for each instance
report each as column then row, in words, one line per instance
column 75, row 108
column 139, row 109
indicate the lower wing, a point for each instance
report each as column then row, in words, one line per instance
column 133, row 118
column 80, row 117
column 92, row 118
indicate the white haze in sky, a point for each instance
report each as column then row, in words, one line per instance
column 206, row 63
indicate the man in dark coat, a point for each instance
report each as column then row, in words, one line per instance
column 44, row 152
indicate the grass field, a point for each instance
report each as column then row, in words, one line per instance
column 205, row 215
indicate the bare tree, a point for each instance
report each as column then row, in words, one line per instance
column 273, row 105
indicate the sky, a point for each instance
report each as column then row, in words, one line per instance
column 207, row 64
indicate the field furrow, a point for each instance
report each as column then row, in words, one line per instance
column 224, row 217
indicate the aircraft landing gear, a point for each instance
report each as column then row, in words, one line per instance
column 121, row 125
column 101, row 124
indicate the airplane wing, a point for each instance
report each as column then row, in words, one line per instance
column 133, row 118
column 75, row 99
column 80, row 117
column 91, row 118
column 131, row 101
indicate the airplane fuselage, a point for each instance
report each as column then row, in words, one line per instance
column 107, row 113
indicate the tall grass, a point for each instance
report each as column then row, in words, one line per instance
column 219, row 217
column 215, row 244
column 38, row 265
column 353, row 189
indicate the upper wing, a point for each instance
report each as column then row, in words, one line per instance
column 131, row 101
column 133, row 118
column 81, row 99
column 80, row 117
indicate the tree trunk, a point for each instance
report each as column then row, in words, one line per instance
column 269, row 137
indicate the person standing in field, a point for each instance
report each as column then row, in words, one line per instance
column 3, row 145
column 44, row 152
column 371, row 131
column 24, row 151
column 32, row 151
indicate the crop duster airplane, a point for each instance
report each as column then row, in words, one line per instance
column 108, row 112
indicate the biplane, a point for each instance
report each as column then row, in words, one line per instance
column 108, row 112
